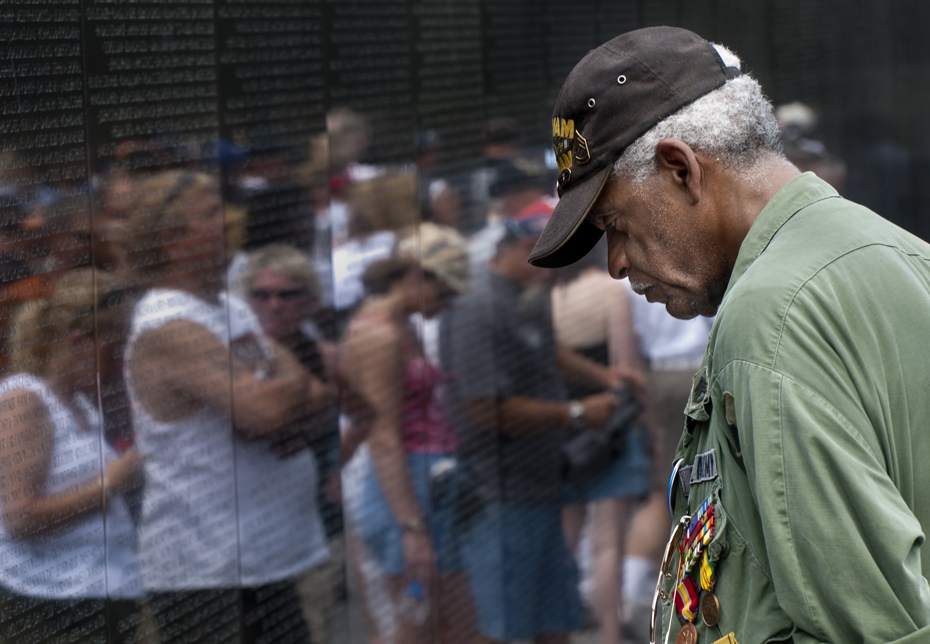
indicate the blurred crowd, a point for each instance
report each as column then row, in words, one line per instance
column 218, row 413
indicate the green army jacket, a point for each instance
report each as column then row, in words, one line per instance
column 808, row 428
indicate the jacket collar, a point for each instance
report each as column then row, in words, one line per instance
column 796, row 195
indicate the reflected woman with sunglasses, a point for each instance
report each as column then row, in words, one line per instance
column 405, row 522
column 282, row 288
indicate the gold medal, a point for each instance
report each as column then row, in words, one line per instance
column 687, row 634
column 710, row 609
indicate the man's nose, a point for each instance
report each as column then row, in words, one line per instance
column 617, row 262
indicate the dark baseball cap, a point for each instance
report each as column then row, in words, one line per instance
column 617, row 93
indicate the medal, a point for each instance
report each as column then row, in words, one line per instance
column 686, row 599
column 687, row 634
column 710, row 609
column 708, row 573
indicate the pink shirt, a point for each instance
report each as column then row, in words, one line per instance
column 424, row 428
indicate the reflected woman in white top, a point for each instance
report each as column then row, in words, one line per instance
column 67, row 567
column 229, row 514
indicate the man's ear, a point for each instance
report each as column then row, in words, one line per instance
column 678, row 163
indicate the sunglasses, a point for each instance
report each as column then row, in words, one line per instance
column 285, row 295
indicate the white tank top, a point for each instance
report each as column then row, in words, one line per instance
column 218, row 511
column 93, row 558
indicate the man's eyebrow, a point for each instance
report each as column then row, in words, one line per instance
column 594, row 214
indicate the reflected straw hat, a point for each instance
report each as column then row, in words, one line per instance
column 617, row 93
column 439, row 250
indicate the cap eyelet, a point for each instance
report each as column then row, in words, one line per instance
column 621, row 79
column 590, row 102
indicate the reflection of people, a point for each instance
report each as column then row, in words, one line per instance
column 592, row 316
column 798, row 125
column 378, row 208
column 280, row 285
column 801, row 469
column 516, row 185
column 410, row 531
column 229, row 515
column 510, row 410
column 66, row 541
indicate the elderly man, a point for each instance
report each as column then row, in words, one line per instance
column 798, row 485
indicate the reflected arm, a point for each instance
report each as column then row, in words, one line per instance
column 181, row 368
column 375, row 368
column 26, row 447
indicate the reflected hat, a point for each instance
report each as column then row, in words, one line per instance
column 528, row 224
column 520, row 174
column 439, row 250
column 617, row 93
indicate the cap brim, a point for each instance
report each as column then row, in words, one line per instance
column 568, row 237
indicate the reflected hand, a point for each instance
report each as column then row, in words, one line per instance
column 598, row 408
column 124, row 473
column 419, row 556
column 635, row 378
column 321, row 394
column 289, row 445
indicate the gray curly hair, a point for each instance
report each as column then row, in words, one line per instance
column 734, row 123
column 285, row 260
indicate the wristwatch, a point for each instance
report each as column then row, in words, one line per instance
column 576, row 415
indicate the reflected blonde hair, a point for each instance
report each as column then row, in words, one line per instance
column 388, row 202
column 156, row 205
column 81, row 298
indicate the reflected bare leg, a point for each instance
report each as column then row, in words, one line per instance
column 458, row 622
column 649, row 529
column 552, row 638
column 354, row 548
column 608, row 534
column 572, row 524
column 484, row 639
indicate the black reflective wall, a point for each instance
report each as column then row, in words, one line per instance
column 228, row 398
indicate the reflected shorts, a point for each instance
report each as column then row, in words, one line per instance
column 523, row 579
column 627, row 477
column 381, row 532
